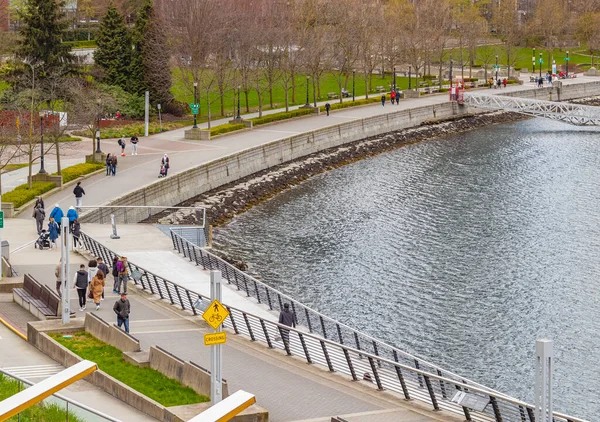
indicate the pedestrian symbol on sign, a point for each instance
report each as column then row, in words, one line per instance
column 215, row 314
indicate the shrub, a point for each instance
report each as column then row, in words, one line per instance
column 81, row 44
column 22, row 194
column 73, row 172
column 176, row 108
column 68, row 138
column 130, row 105
column 227, row 127
column 281, row 116
column 347, row 104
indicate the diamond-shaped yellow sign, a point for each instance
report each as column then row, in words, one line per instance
column 215, row 314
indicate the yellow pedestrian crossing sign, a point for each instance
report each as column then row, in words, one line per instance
column 215, row 314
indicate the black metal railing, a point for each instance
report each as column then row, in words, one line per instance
column 410, row 381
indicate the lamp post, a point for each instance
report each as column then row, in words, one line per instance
column 567, row 60
column 42, row 170
column 533, row 60
column 496, row 68
column 195, row 102
column 238, row 104
column 394, row 82
column 307, row 104
column 353, row 87
column 541, row 61
column 98, row 150
column 409, row 77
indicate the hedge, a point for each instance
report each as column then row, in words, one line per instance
column 281, row 116
column 73, row 172
column 22, row 194
column 133, row 129
column 227, row 127
column 347, row 104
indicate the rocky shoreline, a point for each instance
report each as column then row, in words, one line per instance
column 225, row 202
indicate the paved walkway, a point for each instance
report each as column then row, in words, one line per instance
column 134, row 172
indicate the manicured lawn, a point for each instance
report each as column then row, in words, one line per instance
column 43, row 412
column 12, row 167
column 147, row 381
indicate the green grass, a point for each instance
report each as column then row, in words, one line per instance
column 68, row 138
column 73, row 172
column 13, row 167
column 147, row 381
column 135, row 129
column 22, row 194
column 42, row 412
column 81, row 44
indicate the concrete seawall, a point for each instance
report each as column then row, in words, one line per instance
column 205, row 177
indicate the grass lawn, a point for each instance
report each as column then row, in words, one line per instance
column 13, row 167
column 42, row 412
column 147, row 381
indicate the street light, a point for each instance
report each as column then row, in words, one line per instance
column 307, row 104
column 541, row 61
column 42, row 170
column 567, row 60
column 394, row 83
column 353, row 87
column 533, row 60
column 409, row 77
column 195, row 102
column 238, row 111
column 98, row 150
column 496, row 68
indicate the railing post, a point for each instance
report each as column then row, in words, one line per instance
column 442, row 386
column 168, row 291
column 339, row 331
column 376, row 350
column 431, row 393
column 268, row 298
column 530, row 414
column 179, row 296
column 326, row 354
column 323, row 326
column 496, row 408
column 465, row 409
column 233, row 323
column 160, row 293
column 249, row 328
column 350, row 366
column 303, row 343
column 400, row 377
column 264, row 327
column 191, row 303
column 257, row 293
column 310, row 330
column 375, row 373
column 286, row 344
column 419, row 376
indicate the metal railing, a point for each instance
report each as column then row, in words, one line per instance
column 198, row 236
column 130, row 214
column 410, row 378
column 72, row 409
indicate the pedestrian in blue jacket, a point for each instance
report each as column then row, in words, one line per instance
column 72, row 216
column 57, row 214
column 53, row 231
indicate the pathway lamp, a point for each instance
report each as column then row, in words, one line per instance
column 394, row 82
column 195, row 102
column 409, row 77
column 353, row 86
column 307, row 104
column 541, row 61
column 533, row 61
column 567, row 60
column 98, row 150
column 238, row 104
column 497, row 67
column 42, row 169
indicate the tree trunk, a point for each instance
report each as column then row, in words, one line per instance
column 271, row 95
column 367, row 85
column 58, row 167
column 315, row 83
column 246, row 99
column 30, row 168
column 222, row 95
column 259, row 104
column 287, row 100
column 293, row 87
column 317, row 80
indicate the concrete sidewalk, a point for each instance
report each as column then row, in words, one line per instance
column 134, row 172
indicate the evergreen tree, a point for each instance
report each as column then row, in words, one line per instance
column 114, row 48
column 41, row 35
column 149, row 68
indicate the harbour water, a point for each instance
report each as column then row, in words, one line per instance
column 463, row 250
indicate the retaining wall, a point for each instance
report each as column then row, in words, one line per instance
column 185, row 185
column 111, row 334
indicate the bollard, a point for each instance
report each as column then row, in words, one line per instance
column 113, row 221
column 544, row 363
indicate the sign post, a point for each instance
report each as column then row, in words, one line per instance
column 65, row 252
column 1, row 227
column 544, row 365
column 146, row 112
column 214, row 315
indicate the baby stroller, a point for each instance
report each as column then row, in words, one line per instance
column 163, row 172
column 43, row 241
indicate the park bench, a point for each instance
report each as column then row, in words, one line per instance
column 345, row 93
column 380, row 88
column 38, row 299
column 332, row 95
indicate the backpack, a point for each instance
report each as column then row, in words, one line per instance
column 120, row 142
column 120, row 266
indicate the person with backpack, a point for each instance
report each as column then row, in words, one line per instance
column 76, row 232
column 123, row 274
column 165, row 163
column 115, row 274
column 121, row 143
column 134, row 142
column 78, row 192
column 72, row 216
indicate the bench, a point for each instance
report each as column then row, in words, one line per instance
column 345, row 93
column 37, row 298
column 380, row 88
column 332, row 95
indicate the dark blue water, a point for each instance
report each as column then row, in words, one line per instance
column 463, row 249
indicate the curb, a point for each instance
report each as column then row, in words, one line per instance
column 13, row 329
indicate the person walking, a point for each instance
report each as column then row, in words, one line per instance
column 97, row 288
column 134, row 141
column 80, row 282
column 115, row 274
column 383, row 100
column 504, row 82
column 92, row 271
column 123, row 274
column 57, row 274
column 39, row 214
column 104, row 268
column 76, row 232
column 397, row 97
column 39, row 202
column 53, row 232
column 113, row 164
column 108, row 160
column 78, row 192
column 57, row 214
column 327, row 108
column 286, row 317
column 121, row 143
column 122, row 308
column 72, row 216
column 165, row 163
column 392, row 97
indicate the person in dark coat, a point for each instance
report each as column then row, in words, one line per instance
column 78, row 192
column 39, row 214
column 80, row 282
column 108, row 160
column 39, row 203
column 115, row 274
column 383, row 100
column 76, row 231
column 286, row 317
column 122, row 308
column 327, row 108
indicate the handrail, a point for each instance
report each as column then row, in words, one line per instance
column 131, row 213
column 61, row 397
column 433, row 387
column 254, row 288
